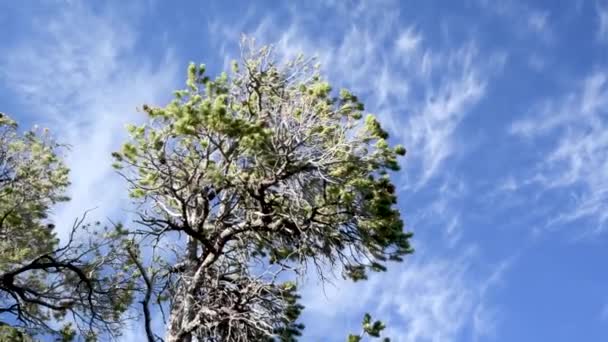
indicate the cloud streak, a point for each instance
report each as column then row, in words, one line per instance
column 80, row 74
column 430, row 299
column 576, row 125
column 92, row 79
column 602, row 23
column 422, row 92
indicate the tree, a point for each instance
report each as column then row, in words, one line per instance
column 370, row 328
column 45, row 287
column 246, row 180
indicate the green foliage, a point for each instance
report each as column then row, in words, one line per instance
column 41, row 280
column 32, row 178
column 67, row 333
column 262, row 172
column 223, row 136
column 370, row 328
column 265, row 165
column 290, row 329
column 11, row 334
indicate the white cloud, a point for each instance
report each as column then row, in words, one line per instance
column 384, row 61
column 431, row 302
column 422, row 93
column 485, row 317
column 94, row 80
column 538, row 21
column 442, row 214
column 431, row 130
column 408, row 41
column 524, row 20
column 427, row 299
column 80, row 74
column 577, row 161
column 602, row 29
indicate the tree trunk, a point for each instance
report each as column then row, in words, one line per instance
column 180, row 315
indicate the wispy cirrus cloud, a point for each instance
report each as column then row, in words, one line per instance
column 421, row 91
column 79, row 73
column 531, row 25
column 602, row 23
column 538, row 22
column 430, row 299
column 528, row 21
column 576, row 163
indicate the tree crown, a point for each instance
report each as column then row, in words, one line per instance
column 263, row 170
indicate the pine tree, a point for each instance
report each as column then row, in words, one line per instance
column 48, row 288
column 247, row 180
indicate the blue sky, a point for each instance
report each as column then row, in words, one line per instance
column 502, row 105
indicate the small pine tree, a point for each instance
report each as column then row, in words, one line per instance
column 47, row 288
